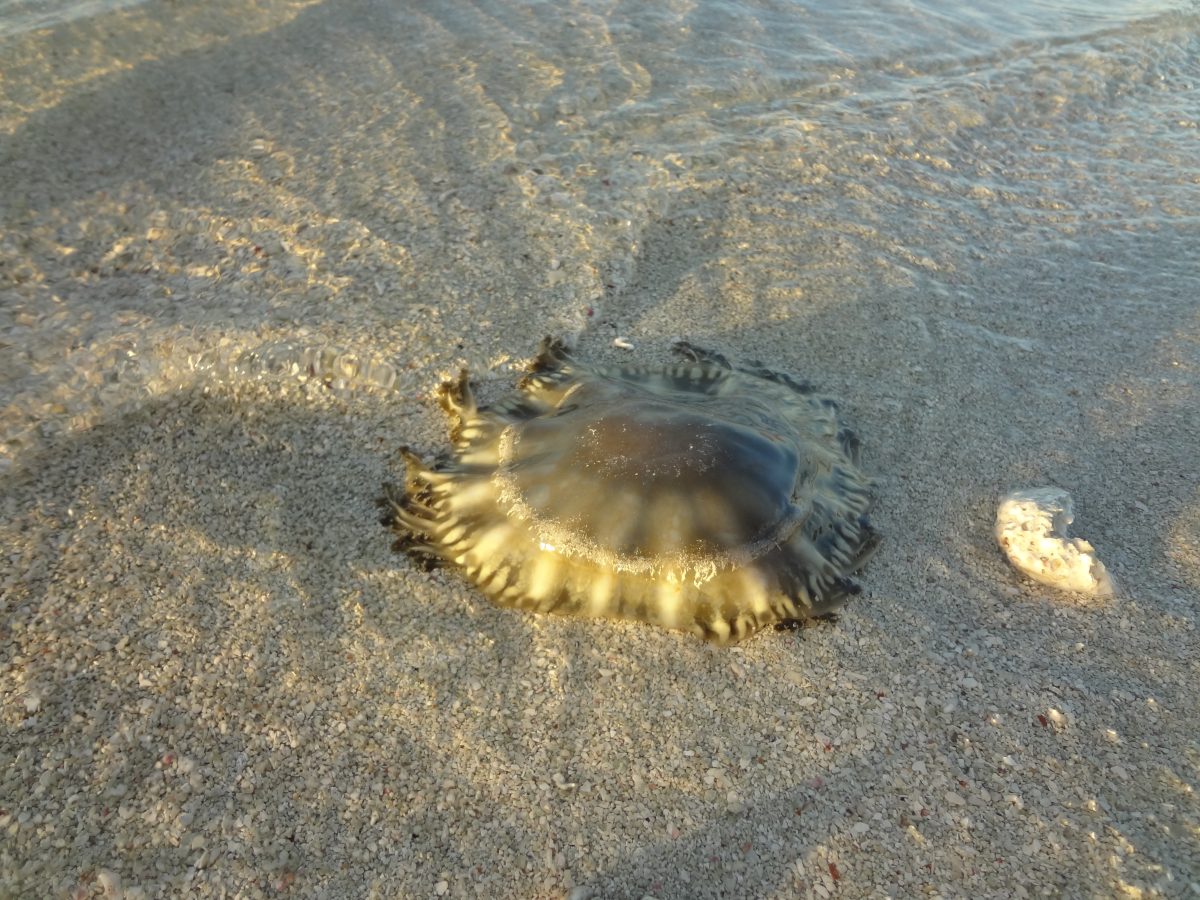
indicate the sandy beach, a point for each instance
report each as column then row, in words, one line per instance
column 240, row 246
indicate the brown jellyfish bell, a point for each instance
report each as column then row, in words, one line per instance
column 703, row 497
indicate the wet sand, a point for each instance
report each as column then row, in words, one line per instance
column 217, row 678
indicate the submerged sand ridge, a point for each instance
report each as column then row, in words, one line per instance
column 239, row 249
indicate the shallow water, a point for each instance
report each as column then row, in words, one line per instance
column 241, row 243
column 893, row 144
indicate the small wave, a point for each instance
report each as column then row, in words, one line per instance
column 92, row 386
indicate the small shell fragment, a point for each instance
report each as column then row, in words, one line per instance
column 1031, row 528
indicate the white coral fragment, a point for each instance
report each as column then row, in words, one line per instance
column 1031, row 527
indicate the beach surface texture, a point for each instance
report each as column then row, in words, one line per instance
column 242, row 244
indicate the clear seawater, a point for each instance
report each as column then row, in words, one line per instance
column 162, row 150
